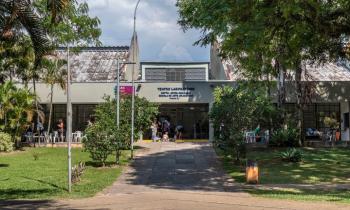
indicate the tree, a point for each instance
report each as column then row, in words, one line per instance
column 277, row 36
column 73, row 25
column 49, row 24
column 16, row 60
column 53, row 73
column 21, row 15
column 17, row 109
column 236, row 110
column 103, row 136
column 145, row 113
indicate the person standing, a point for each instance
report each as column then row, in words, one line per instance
column 178, row 130
column 40, row 128
column 166, row 126
column 166, row 129
column 154, row 128
column 60, row 129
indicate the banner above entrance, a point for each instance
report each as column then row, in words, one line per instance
column 175, row 93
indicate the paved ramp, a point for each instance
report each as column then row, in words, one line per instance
column 177, row 166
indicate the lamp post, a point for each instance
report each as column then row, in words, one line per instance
column 118, row 91
column 69, row 122
column 133, row 89
column 117, row 97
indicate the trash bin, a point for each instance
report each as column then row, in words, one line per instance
column 252, row 172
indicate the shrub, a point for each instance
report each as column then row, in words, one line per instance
column 6, row 144
column 98, row 142
column 104, row 137
column 236, row 110
column 17, row 109
column 292, row 155
column 285, row 138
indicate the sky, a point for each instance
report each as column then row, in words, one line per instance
column 160, row 37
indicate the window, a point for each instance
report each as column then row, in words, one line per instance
column 346, row 120
column 175, row 74
column 81, row 115
column 59, row 112
column 314, row 114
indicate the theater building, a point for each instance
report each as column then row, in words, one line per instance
column 184, row 90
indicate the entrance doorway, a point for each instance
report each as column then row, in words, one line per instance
column 192, row 117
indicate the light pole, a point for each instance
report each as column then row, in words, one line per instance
column 117, row 97
column 69, row 122
column 133, row 89
column 118, row 91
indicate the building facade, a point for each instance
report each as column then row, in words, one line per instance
column 184, row 90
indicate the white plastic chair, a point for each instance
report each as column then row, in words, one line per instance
column 29, row 137
column 250, row 137
column 267, row 136
column 77, row 136
column 55, row 137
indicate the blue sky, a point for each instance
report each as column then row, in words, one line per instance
column 160, row 37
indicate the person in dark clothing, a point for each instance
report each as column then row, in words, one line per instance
column 60, row 129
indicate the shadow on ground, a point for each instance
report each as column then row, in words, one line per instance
column 30, row 204
column 187, row 167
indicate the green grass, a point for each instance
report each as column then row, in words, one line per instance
column 319, row 166
column 23, row 177
column 341, row 196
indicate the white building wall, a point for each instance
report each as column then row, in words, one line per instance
column 196, row 92
column 82, row 93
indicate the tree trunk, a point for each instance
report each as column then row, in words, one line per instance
column 117, row 156
column 36, row 107
column 51, row 106
column 281, row 89
column 270, row 124
column 299, row 96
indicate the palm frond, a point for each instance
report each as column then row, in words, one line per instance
column 23, row 12
column 56, row 7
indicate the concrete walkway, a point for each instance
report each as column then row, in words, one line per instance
column 174, row 176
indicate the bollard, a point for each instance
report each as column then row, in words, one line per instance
column 252, row 172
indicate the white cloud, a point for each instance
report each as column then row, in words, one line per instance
column 156, row 26
column 172, row 52
column 98, row 4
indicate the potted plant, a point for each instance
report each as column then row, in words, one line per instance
column 333, row 125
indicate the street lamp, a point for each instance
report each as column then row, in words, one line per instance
column 69, row 122
column 133, row 89
column 117, row 97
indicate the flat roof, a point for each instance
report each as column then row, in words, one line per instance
column 172, row 63
column 101, row 48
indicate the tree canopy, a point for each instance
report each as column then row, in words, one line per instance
column 49, row 23
column 256, row 33
column 272, row 36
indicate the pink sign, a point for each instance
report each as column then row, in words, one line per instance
column 126, row 90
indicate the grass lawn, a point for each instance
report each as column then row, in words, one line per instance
column 319, row 166
column 23, row 177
